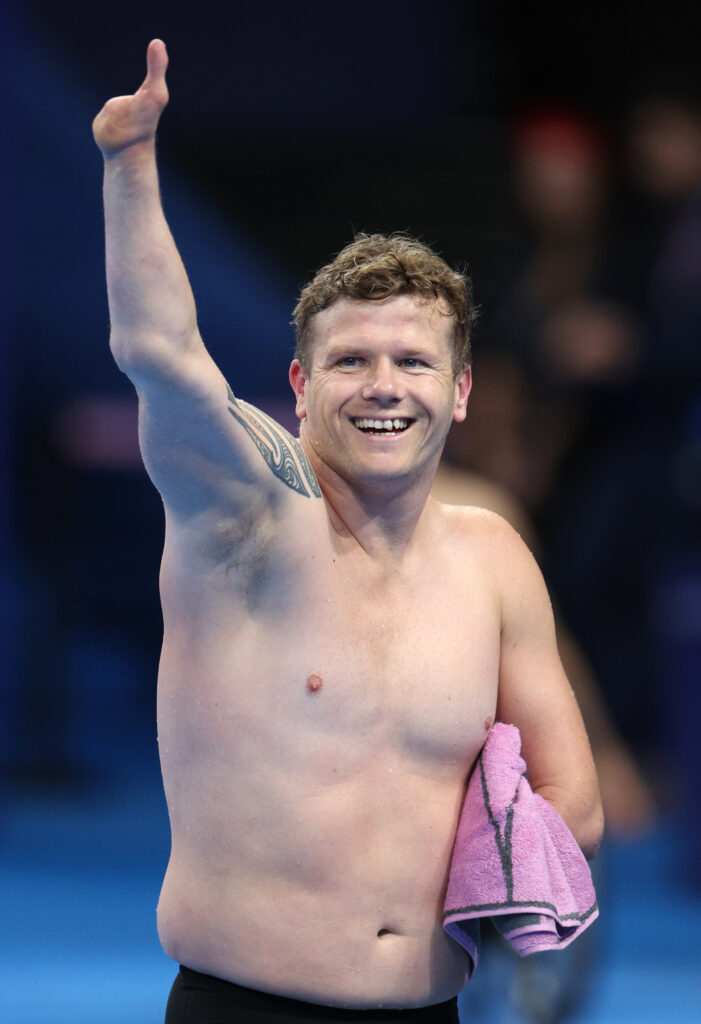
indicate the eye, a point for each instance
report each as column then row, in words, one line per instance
column 349, row 361
column 412, row 362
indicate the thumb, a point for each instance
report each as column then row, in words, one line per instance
column 156, row 63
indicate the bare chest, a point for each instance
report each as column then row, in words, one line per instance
column 332, row 654
column 341, row 664
column 418, row 656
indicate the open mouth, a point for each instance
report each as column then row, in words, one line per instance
column 397, row 425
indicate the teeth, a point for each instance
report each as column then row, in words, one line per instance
column 365, row 423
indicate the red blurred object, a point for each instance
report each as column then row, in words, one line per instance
column 561, row 130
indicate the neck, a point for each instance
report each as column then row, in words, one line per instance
column 380, row 516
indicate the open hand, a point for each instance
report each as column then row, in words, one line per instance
column 127, row 120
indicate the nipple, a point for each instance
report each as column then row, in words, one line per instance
column 488, row 722
column 314, row 683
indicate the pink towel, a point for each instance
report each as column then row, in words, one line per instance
column 514, row 859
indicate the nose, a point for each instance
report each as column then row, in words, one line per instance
column 384, row 382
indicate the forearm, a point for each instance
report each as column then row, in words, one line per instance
column 150, row 299
column 561, row 767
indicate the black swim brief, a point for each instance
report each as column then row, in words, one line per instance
column 201, row 999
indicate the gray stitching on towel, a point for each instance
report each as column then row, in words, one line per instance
column 503, row 842
column 484, row 907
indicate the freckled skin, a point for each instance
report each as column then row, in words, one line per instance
column 314, row 683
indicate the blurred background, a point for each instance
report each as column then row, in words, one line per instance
column 555, row 150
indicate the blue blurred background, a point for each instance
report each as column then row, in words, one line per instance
column 558, row 152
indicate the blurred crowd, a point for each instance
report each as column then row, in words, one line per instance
column 584, row 430
column 587, row 404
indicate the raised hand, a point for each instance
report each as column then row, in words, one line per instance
column 126, row 121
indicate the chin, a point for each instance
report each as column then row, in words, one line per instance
column 388, row 477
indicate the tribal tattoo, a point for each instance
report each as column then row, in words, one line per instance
column 282, row 452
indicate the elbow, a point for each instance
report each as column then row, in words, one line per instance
column 590, row 836
column 138, row 355
column 134, row 367
column 127, row 349
column 149, row 351
column 588, row 830
column 584, row 819
column 121, row 355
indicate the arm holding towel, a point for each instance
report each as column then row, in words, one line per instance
column 534, row 695
column 526, row 826
column 514, row 860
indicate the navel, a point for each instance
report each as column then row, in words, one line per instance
column 314, row 683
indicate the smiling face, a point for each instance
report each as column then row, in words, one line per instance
column 380, row 393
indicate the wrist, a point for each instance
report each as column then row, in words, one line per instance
column 131, row 171
column 136, row 153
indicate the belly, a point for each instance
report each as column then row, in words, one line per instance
column 331, row 894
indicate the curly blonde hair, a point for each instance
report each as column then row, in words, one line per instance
column 375, row 267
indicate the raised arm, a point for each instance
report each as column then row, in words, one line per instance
column 535, row 695
column 201, row 445
column 150, row 299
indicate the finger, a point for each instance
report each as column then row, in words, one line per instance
column 156, row 62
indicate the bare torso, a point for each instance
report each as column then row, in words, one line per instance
column 318, row 719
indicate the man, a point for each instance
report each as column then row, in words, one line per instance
column 336, row 643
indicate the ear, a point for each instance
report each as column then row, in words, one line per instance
column 463, row 386
column 298, row 381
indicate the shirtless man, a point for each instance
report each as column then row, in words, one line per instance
column 336, row 642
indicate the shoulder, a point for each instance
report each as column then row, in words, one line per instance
column 491, row 545
column 457, row 486
column 479, row 526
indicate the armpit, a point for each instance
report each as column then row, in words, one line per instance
column 241, row 547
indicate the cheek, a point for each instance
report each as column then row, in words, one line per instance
column 439, row 396
column 328, row 397
column 318, row 414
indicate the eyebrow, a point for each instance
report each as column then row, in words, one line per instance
column 406, row 348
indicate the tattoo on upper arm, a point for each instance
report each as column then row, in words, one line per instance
column 282, row 452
